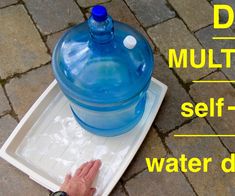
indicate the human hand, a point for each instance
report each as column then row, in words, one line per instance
column 80, row 184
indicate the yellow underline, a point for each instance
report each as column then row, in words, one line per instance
column 204, row 135
column 214, row 81
column 231, row 107
column 223, row 38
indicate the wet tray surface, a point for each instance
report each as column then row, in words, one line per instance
column 48, row 142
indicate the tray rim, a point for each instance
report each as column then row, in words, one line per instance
column 52, row 186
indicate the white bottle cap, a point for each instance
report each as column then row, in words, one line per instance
column 129, row 42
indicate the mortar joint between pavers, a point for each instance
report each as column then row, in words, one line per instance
column 14, row 115
column 186, row 86
column 7, row 112
column 232, row 84
column 156, row 50
column 190, row 184
column 179, row 126
column 212, row 72
column 49, row 192
column 210, row 1
column 145, row 169
column 184, row 174
column 168, row 4
column 160, row 134
column 19, row 75
column 90, row 6
column 163, row 139
column 164, row 135
column 123, row 187
column 209, row 124
column 169, row 152
column 159, row 23
column 66, row 28
column 83, row 10
column 4, row 113
column 133, row 176
column 12, row 112
column 139, row 172
column 144, row 29
column 207, row 121
column 192, row 33
column 43, row 37
column 202, row 29
column 13, row 4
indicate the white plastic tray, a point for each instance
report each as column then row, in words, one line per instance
column 48, row 143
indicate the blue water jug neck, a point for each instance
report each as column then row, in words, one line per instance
column 100, row 25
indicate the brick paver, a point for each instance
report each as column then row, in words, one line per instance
column 151, row 147
column 7, row 125
column 14, row 182
column 4, row 105
column 205, row 37
column 120, row 12
column 178, row 37
column 169, row 116
column 163, row 183
column 186, row 10
column 51, row 16
column 53, row 38
column 226, row 123
column 151, row 12
column 24, row 91
column 214, row 182
column 21, row 46
column 4, row 3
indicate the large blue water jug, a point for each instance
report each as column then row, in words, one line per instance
column 104, row 68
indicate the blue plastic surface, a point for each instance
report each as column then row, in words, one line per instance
column 105, row 81
column 99, row 13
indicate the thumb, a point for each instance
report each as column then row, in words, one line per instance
column 67, row 178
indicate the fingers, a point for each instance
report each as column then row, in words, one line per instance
column 92, row 192
column 83, row 169
column 78, row 171
column 66, row 181
column 87, row 168
column 93, row 171
column 87, row 172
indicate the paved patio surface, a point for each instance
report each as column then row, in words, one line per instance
column 28, row 32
